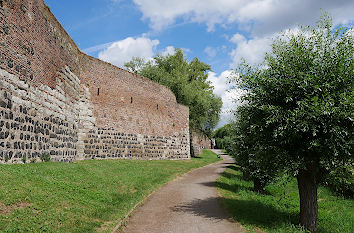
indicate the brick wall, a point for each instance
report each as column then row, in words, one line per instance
column 56, row 100
column 199, row 142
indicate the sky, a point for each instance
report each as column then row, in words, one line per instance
column 218, row 32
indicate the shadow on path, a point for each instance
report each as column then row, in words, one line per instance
column 202, row 207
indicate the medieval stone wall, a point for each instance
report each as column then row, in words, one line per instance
column 56, row 100
column 134, row 117
column 199, row 142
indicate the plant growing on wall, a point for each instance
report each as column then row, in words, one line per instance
column 45, row 157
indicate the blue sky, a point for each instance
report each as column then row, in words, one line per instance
column 218, row 32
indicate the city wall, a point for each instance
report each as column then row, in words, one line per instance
column 57, row 101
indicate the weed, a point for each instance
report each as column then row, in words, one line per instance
column 45, row 157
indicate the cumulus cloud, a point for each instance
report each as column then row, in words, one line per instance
column 252, row 50
column 220, row 82
column 162, row 13
column 123, row 51
column 230, row 97
column 265, row 16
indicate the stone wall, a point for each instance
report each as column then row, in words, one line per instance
column 36, row 120
column 56, row 100
column 199, row 142
column 134, row 116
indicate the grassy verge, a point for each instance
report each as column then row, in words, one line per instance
column 278, row 210
column 86, row 196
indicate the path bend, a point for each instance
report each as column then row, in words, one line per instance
column 189, row 204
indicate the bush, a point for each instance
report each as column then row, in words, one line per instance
column 341, row 181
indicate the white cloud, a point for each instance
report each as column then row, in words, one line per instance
column 162, row 13
column 230, row 97
column 220, row 82
column 260, row 16
column 237, row 38
column 252, row 50
column 210, row 51
column 169, row 50
column 123, row 51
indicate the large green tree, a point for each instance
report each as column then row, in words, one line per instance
column 188, row 81
column 298, row 110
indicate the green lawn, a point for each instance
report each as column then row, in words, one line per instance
column 86, row 196
column 278, row 210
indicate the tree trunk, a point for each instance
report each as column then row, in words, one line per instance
column 258, row 185
column 307, row 185
column 246, row 175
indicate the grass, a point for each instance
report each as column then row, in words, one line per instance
column 278, row 210
column 86, row 196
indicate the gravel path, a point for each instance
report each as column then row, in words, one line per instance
column 190, row 204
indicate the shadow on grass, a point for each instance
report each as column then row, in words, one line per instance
column 225, row 186
column 248, row 208
column 243, row 211
column 235, row 168
column 232, row 188
column 259, row 214
column 229, row 163
column 229, row 175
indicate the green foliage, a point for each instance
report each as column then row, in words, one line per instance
column 341, row 180
column 188, row 81
column 297, row 115
column 254, row 148
column 277, row 210
column 45, row 157
column 135, row 65
column 85, row 196
column 224, row 137
column 300, row 101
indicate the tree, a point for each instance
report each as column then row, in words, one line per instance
column 223, row 137
column 188, row 81
column 298, row 110
column 135, row 65
column 254, row 147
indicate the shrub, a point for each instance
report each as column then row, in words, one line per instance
column 341, row 181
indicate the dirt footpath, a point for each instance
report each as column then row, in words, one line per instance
column 190, row 204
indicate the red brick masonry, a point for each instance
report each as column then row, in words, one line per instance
column 56, row 100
